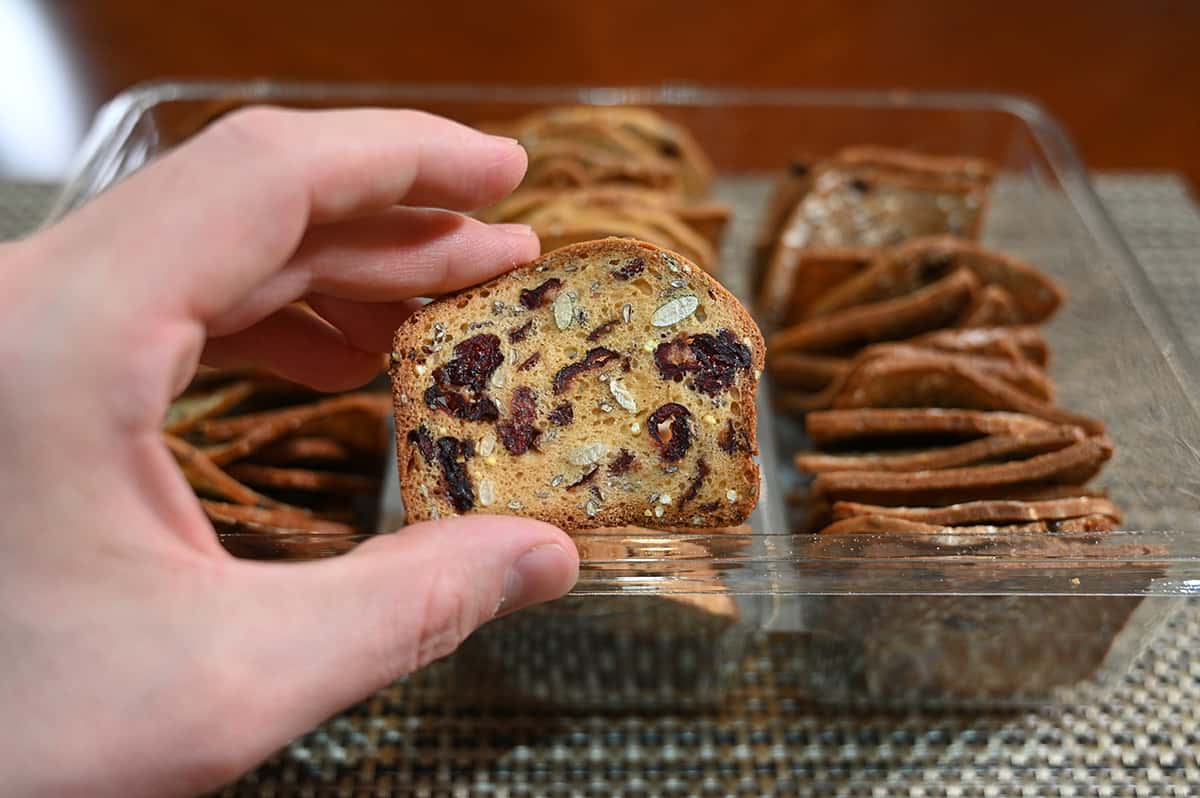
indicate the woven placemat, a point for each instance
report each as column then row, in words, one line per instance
column 1144, row 740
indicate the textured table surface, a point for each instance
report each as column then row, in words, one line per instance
column 1144, row 740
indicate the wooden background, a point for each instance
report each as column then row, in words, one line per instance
column 1124, row 77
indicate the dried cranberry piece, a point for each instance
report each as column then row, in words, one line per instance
column 544, row 294
column 457, row 405
column 474, row 361
column 713, row 359
column 603, row 330
column 451, row 456
column 562, row 415
column 594, row 359
column 423, row 441
column 585, row 479
column 530, row 362
column 674, row 358
column 680, row 432
column 693, row 488
column 518, row 334
column 622, row 463
column 733, row 440
column 630, row 270
column 708, row 507
column 518, row 433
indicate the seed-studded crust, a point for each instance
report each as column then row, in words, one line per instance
column 607, row 383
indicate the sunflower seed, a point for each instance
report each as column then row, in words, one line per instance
column 487, row 444
column 592, row 508
column 487, row 492
column 627, row 312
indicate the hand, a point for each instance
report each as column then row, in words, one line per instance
column 137, row 656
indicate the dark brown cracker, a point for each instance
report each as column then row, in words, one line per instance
column 193, row 408
column 805, row 371
column 304, row 449
column 798, row 277
column 356, row 420
column 903, row 269
column 996, row 511
column 208, row 478
column 1010, row 367
column 993, row 306
column 991, row 448
column 1035, row 294
column 890, row 525
column 236, row 517
column 303, row 479
column 942, row 381
column 1073, row 465
column 831, row 427
column 1026, row 341
column 925, row 309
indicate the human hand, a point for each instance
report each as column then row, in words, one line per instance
column 138, row 657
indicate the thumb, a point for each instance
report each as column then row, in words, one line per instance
column 312, row 638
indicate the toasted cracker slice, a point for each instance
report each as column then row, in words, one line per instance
column 993, row 306
column 890, row 525
column 832, row 427
column 927, row 308
column 259, row 519
column 804, row 393
column 935, row 380
column 1036, row 295
column 906, row 268
column 206, row 477
column 1017, row 341
column 303, row 479
column 1011, row 367
column 805, row 371
column 995, row 511
column 356, row 420
column 1073, row 465
column 797, row 278
column 192, row 408
column 543, row 207
column 982, row 450
column 304, row 449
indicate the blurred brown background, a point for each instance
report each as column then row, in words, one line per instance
column 1124, row 77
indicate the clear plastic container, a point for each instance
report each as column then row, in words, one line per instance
column 664, row 620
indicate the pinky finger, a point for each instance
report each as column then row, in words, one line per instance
column 296, row 344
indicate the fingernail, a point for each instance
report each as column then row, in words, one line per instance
column 506, row 139
column 534, row 577
column 522, row 230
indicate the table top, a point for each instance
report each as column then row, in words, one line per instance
column 415, row 738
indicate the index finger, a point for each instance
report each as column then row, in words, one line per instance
column 218, row 215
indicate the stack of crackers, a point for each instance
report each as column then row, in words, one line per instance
column 266, row 455
column 598, row 171
column 914, row 356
